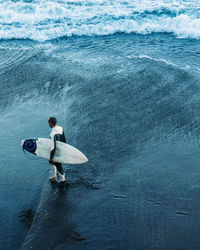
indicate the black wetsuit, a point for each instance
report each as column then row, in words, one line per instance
column 57, row 134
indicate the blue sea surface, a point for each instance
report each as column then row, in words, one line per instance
column 123, row 79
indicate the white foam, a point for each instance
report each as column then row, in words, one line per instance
column 156, row 59
column 45, row 20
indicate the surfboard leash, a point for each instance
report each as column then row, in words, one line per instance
column 30, row 158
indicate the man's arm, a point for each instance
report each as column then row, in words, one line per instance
column 64, row 138
column 53, row 148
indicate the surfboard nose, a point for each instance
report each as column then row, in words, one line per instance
column 84, row 158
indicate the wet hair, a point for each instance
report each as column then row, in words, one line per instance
column 52, row 120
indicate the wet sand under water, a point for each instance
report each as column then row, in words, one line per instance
column 150, row 205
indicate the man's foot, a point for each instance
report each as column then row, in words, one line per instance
column 61, row 177
column 53, row 179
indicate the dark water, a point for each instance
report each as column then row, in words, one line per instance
column 131, row 104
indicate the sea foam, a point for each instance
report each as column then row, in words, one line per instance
column 45, row 20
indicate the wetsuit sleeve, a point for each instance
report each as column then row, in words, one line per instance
column 53, row 147
column 64, row 138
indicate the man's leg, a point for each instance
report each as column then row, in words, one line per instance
column 54, row 173
column 60, row 171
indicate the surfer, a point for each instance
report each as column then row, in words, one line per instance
column 57, row 134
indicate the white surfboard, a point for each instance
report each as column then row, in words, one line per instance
column 64, row 153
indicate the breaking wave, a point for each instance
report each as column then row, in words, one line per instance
column 45, row 20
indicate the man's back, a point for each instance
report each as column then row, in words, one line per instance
column 57, row 134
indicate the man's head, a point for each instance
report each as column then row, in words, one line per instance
column 52, row 122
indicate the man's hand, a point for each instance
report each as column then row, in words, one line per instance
column 51, row 161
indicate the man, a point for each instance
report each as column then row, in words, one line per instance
column 57, row 134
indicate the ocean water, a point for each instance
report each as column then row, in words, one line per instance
column 123, row 79
column 45, row 20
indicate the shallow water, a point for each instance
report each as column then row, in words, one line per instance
column 131, row 104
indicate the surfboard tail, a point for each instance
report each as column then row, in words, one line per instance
column 29, row 145
column 22, row 143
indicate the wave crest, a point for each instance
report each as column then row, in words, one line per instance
column 43, row 20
